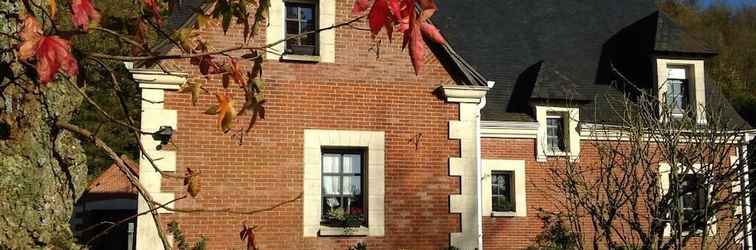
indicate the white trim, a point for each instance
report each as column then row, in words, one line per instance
column 696, row 79
column 571, row 117
column 497, row 129
column 518, row 168
column 326, row 39
column 155, row 79
column 464, row 94
column 314, row 140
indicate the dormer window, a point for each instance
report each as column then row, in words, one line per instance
column 557, row 132
column 681, row 87
column 677, row 91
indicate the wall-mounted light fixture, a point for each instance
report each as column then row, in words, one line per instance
column 163, row 135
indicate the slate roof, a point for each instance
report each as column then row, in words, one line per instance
column 592, row 53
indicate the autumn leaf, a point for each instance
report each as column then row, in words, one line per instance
column 226, row 112
column 52, row 53
column 416, row 48
column 248, row 234
column 378, row 16
column 432, row 32
column 234, row 72
column 53, row 8
column 192, row 182
column 155, row 8
column 195, row 88
column 83, row 13
column 360, row 6
column 185, row 38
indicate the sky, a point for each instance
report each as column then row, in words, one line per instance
column 732, row 2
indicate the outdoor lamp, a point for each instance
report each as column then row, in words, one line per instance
column 163, row 135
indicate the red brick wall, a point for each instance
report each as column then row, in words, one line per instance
column 358, row 92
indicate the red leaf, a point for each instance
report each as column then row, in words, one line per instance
column 432, row 32
column 248, row 233
column 416, row 49
column 83, row 12
column 206, row 64
column 396, row 10
column 378, row 15
column 155, row 8
column 428, row 7
column 359, row 7
column 31, row 33
column 54, row 53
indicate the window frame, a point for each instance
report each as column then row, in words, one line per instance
column 316, row 23
column 363, row 179
column 561, row 137
column 678, row 110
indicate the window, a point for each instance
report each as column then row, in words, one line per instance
column 693, row 195
column 502, row 195
column 342, row 189
column 301, row 17
column 555, row 133
column 677, row 91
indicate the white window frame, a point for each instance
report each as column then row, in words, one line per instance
column 570, row 118
column 664, row 170
column 314, row 142
column 275, row 31
column 696, row 84
column 517, row 167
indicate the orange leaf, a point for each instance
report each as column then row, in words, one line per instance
column 83, row 12
column 53, row 7
column 226, row 112
column 192, row 181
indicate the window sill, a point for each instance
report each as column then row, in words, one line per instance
column 300, row 58
column 343, row 231
column 503, row 214
column 557, row 153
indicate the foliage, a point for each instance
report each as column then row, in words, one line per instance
column 358, row 246
column 180, row 240
column 248, row 234
column 555, row 234
column 339, row 218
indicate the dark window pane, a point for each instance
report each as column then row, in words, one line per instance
column 291, row 11
column 502, row 192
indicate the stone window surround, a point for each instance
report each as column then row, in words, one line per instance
column 571, row 117
column 326, row 39
column 696, row 83
column 664, row 170
column 314, row 141
column 517, row 167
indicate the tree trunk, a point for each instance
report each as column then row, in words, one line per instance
column 42, row 169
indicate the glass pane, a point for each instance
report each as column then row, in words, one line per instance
column 352, row 185
column 331, row 185
column 331, row 163
column 352, row 163
column 291, row 11
column 306, row 13
column 502, row 204
column 292, row 28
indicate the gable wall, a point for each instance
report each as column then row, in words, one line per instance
column 358, row 92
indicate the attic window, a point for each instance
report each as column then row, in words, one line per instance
column 677, row 91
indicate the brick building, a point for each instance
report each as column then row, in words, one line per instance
column 358, row 135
